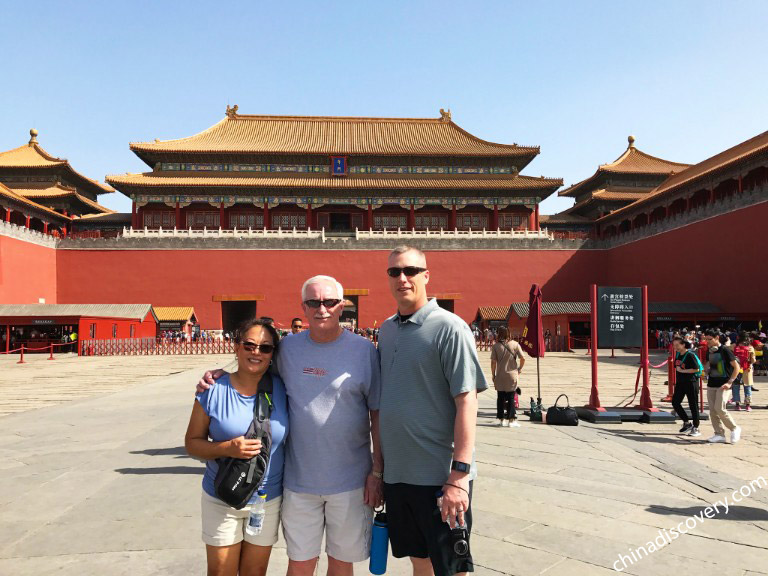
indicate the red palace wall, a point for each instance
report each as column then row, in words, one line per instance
column 192, row 278
column 720, row 260
column 27, row 272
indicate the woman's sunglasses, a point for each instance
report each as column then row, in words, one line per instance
column 409, row 271
column 327, row 303
column 265, row 348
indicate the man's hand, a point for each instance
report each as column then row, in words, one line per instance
column 374, row 491
column 209, row 379
column 242, row 447
column 455, row 502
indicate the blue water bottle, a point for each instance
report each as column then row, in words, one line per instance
column 379, row 544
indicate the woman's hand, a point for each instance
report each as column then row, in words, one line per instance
column 242, row 447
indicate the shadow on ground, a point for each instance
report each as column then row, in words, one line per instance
column 737, row 513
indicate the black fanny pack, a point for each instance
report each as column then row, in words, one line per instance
column 237, row 479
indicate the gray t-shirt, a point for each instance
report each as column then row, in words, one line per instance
column 330, row 387
column 426, row 362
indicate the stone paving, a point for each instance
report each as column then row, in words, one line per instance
column 95, row 477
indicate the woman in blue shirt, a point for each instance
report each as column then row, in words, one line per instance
column 220, row 417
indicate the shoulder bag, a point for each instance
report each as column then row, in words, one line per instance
column 562, row 415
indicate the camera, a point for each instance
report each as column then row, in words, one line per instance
column 460, row 541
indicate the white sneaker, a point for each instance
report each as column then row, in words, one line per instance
column 498, row 422
column 514, row 424
column 505, row 423
column 735, row 434
column 716, row 439
column 694, row 432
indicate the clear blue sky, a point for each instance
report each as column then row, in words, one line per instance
column 687, row 78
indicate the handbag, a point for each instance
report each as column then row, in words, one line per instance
column 562, row 415
column 237, row 478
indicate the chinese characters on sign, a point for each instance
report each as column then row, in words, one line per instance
column 619, row 317
column 339, row 165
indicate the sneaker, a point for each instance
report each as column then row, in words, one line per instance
column 737, row 407
column 514, row 424
column 748, row 408
column 498, row 422
column 716, row 439
column 505, row 423
column 694, row 432
column 735, row 434
column 687, row 426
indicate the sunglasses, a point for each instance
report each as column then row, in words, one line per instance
column 409, row 271
column 265, row 348
column 327, row 303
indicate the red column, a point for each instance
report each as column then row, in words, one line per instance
column 741, row 185
column 222, row 222
column 26, row 222
column 134, row 219
column 309, row 217
column 452, row 224
column 536, row 221
column 495, row 218
column 711, row 195
column 45, row 227
column 412, row 218
column 531, row 221
column 369, row 223
column 178, row 216
column 8, row 214
column 266, row 215
column 64, row 231
column 7, row 338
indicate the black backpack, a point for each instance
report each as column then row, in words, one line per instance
column 237, row 479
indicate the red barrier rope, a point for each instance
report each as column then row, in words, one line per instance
column 11, row 351
column 660, row 365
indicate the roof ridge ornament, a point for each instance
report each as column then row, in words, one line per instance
column 631, row 140
column 445, row 115
column 232, row 112
column 33, row 137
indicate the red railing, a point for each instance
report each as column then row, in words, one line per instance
column 153, row 347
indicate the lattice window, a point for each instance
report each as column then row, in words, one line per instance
column 290, row 220
column 202, row 219
column 245, row 220
column 156, row 219
column 390, row 221
column 475, row 220
column 431, row 221
column 512, row 221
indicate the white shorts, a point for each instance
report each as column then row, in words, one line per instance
column 224, row 525
column 345, row 517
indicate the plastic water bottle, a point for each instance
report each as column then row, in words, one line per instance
column 256, row 519
column 379, row 545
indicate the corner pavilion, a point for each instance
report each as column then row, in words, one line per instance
column 336, row 173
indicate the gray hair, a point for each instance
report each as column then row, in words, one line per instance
column 318, row 280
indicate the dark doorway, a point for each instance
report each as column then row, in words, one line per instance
column 340, row 222
column 349, row 315
column 233, row 313
column 446, row 304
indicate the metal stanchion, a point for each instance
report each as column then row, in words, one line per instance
column 51, row 355
column 21, row 361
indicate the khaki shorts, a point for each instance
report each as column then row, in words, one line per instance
column 224, row 525
column 345, row 517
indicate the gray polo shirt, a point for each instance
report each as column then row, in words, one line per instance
column 425, row 362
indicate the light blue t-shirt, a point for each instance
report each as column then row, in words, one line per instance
column 231, row 414
column 331, row 387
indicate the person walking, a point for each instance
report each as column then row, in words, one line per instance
column 745, row 354
column 688, row 370
column 507, row 361
column 722, row 370
column 430, row 379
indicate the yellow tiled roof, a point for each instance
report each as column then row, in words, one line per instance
column 160, row 179
column 57, row 190
column 493, row 312
column 239, row 133
column 173, row 313
column 8, row 193
column 632, row 161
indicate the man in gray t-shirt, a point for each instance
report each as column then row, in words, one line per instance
column 430, row 379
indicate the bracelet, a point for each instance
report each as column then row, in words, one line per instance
column 456, row 486
column 379, row 475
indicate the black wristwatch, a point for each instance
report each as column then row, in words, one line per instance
column 460, row 466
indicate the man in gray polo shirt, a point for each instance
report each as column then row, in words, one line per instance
column 427, row 415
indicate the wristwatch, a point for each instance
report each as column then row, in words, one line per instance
column 460, row 466
column 379, row 475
